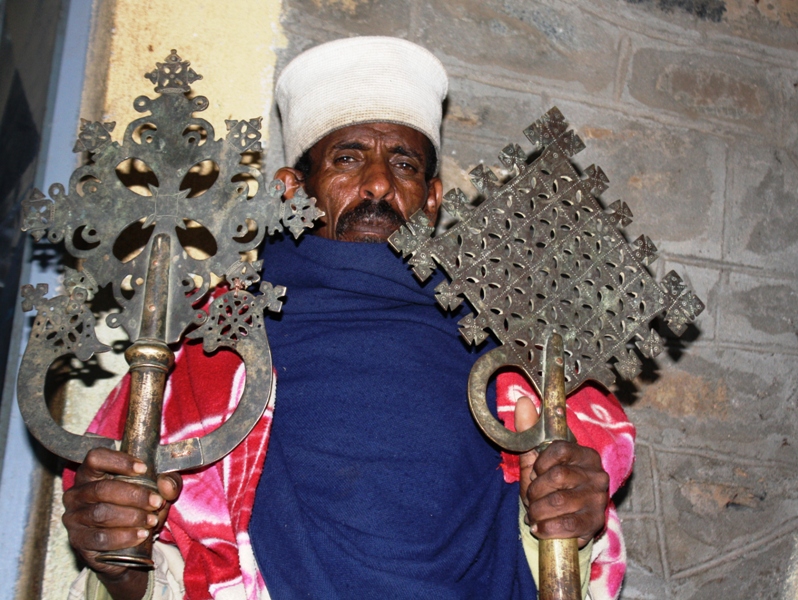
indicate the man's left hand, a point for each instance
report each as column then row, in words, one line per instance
column 565, row 489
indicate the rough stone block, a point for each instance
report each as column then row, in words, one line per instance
column 770, row 23
column 715, row 506
column 481, row 119
column 762, row 211
column 672, row 179
column 643, row 584
column 706, row 86
column 760, row 311
column 724, row 400
column 341, row 18
column 642, row 545
column 711, row 10
column 638, row 498
column 691, row 390
column 760, row 571
column 543, row 40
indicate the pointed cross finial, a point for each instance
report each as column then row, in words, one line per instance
column 174, row 76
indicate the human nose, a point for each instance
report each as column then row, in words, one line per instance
column 377, row 181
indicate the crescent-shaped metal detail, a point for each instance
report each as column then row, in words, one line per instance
column 177, row 456
column 478, row 379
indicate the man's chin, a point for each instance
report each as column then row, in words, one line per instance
column 368, row 237
column 374, row 234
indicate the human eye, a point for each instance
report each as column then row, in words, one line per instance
column 406, row 165
column 345, row 160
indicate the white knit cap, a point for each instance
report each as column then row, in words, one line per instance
column 356, row 80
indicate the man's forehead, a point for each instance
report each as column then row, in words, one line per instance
column 399, row 138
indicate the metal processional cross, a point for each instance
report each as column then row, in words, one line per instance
column 134, row 238
column 546, row 271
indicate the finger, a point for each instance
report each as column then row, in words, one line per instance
column 581, row 526
column 562, row 502
column 526, row 415
column 567, row 453
column 558, row 478
column 108, row 516
column 112, row 491
column 574, row 508
column 169, row 486
column 102, row 539
column 101, row 462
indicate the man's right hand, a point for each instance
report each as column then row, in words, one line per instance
column 103, row 514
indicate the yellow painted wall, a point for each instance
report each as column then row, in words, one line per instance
column 230, row 43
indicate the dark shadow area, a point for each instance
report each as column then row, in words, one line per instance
column 709, row 10
column 675, row 345
column 628, row 392
column 28, row 33
column 19, row 147
column 623, row 493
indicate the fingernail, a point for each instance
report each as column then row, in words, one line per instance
column 156, row 501
column 152, row 520
column 142, row 534
column 139, row 467
column 534, row 528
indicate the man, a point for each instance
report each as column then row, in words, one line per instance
column 377, row 483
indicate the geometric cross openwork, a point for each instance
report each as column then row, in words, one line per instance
column 539, row 255
column 162, row 216
column 169, row 175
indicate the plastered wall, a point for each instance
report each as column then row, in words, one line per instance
column 690, row 108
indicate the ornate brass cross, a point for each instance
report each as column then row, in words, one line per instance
column 546, row 270
column 134, row 238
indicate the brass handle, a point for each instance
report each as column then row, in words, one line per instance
column 150, row 362
column 558, row 559
column 559, row 570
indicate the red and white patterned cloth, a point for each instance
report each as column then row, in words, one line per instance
column 209, row 524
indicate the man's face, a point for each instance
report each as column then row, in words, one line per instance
column 369, row 179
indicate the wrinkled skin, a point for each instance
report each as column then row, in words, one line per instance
column 368, row 179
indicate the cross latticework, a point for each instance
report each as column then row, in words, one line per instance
column 541, row 255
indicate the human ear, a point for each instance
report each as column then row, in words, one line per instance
column 434, row 199
column 293, row 180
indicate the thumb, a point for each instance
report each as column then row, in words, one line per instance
column 526, row 415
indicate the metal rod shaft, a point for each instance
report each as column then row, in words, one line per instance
column 150, row 360
column 558, row 559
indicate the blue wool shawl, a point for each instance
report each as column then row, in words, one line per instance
column 377, row 483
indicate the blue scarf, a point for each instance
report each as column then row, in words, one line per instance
column 377, row 483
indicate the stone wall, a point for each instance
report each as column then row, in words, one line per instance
column 688, row 105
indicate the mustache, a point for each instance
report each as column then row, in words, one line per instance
column 369, row 212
